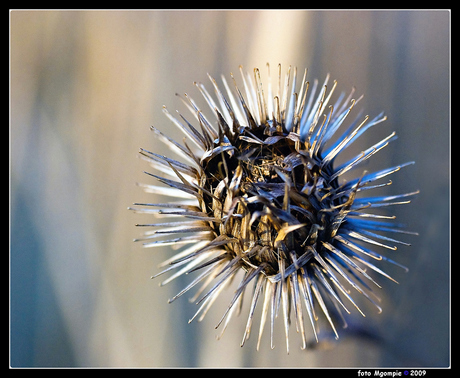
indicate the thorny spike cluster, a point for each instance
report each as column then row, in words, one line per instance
column 263, row 199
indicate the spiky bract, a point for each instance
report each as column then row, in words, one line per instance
column 263, row 196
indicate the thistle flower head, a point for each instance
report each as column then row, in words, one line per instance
column 262, row 197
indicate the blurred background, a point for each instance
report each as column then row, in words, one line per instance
column 85, row 86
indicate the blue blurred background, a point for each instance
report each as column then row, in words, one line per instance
column 84, row 88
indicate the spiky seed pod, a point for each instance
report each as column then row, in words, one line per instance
column 263, row 198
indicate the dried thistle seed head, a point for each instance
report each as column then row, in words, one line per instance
column 264, row 198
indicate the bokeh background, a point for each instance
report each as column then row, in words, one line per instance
column 84, row 88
